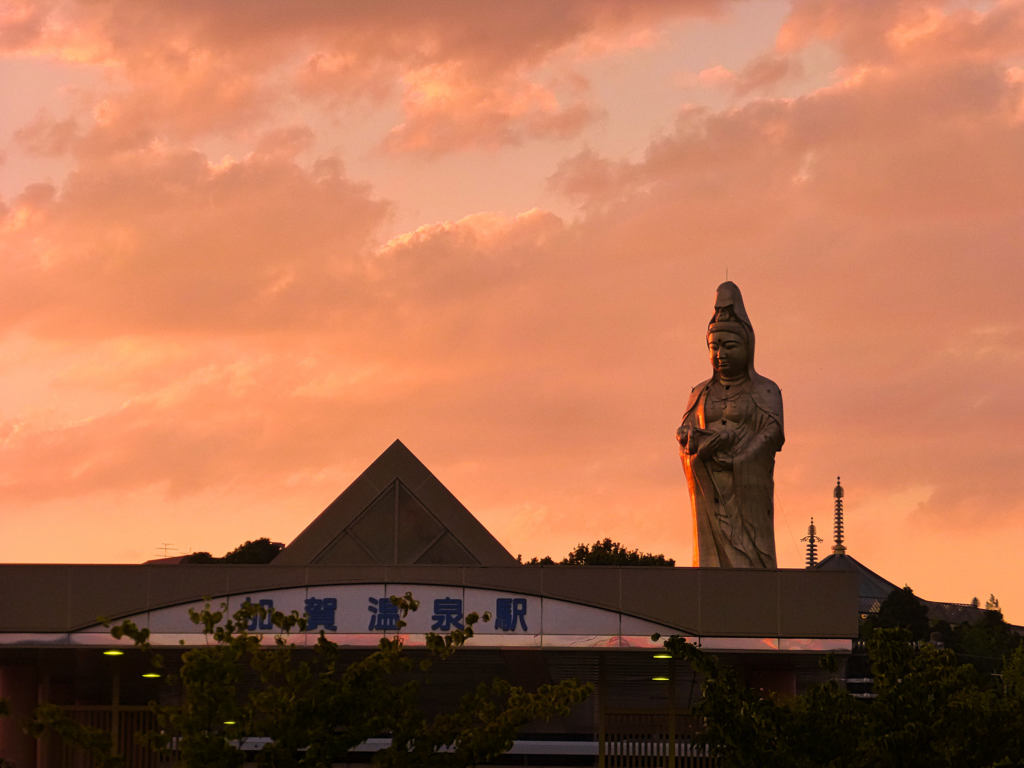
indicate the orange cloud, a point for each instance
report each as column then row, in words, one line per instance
column 764, row 72
column 47, row 136
column 905, row 30
column 163, row 239
column 234, row 334
column 448, row 108
column 899, row 188
column 467, row 73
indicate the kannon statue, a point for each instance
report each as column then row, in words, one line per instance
column 730, row 434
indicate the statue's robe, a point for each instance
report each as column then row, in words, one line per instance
column 733, row 507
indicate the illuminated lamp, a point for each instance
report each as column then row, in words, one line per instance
column 660, row 679
column 113, row 652
column 663, row 655
column 230, row 722
column 151, row 675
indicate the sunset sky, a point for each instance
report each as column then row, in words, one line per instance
column 247, row 245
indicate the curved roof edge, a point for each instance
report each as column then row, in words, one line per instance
column 710, row 601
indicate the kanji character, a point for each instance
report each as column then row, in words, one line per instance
column 384, row 614
column 508, row 612
column 266, row 622
column 447, row 614
column 320, row 612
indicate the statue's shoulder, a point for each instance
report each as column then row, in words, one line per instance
column 695, row 394
column 765, row 385
column 700, row 387
column 767, row 395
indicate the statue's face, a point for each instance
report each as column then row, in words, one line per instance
column 729, row 353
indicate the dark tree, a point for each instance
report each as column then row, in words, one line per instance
column 605, row 552
column 259, row 551
column 200, row 557
column 608, row 552
column 902, row 608
column 928, row 710
column 316, row 704
column 256, row 552
column 546, row 560
column 985, row 643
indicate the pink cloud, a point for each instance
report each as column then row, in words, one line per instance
column 22, row 23
column 163, row 239
column 183, row 71
column 900, row 188
column 214, row 332
column 716, row 75
column 47, row 136
column 764, row 72
column 905, row 30
column 759, row 75
column 448, row 108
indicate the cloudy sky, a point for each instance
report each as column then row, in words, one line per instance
column 246, row 245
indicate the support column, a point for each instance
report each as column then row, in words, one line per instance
column 671, row 763
column 115, row 714
column 18, row 686
column 43, row 749
column 602, row 695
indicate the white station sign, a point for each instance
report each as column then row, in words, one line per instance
column 359, row 615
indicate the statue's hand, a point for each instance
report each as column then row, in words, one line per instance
column 726, row 438
column 706, row 448
column 683, row 435
column 717, row 442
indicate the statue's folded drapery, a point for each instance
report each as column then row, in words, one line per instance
column 733, row 506
column 731, row 431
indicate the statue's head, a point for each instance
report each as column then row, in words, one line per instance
column 730, row 354
column 730, row 334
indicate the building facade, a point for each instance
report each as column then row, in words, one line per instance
column 397, row 529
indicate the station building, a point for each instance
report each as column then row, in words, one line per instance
column 397, row 529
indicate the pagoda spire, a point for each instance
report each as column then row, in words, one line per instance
column 838, row 548
column 812, row 540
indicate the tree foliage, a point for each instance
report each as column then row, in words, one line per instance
column 315, row 705
column 902, row 608
column 928, row 710
column 93, row 742
column 256, row 552
column 605, row 552
column 983, row 643
column 260, row 551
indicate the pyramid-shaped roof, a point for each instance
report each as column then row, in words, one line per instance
column 395, row 513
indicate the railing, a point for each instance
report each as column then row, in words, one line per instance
column 123, row 723
column 655, row 739
column 632, row 739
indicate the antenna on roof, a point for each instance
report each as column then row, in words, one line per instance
column 812, row 540
column 166, row 546
column 838, row 548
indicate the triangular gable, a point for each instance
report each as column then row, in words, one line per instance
column 395, row 513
